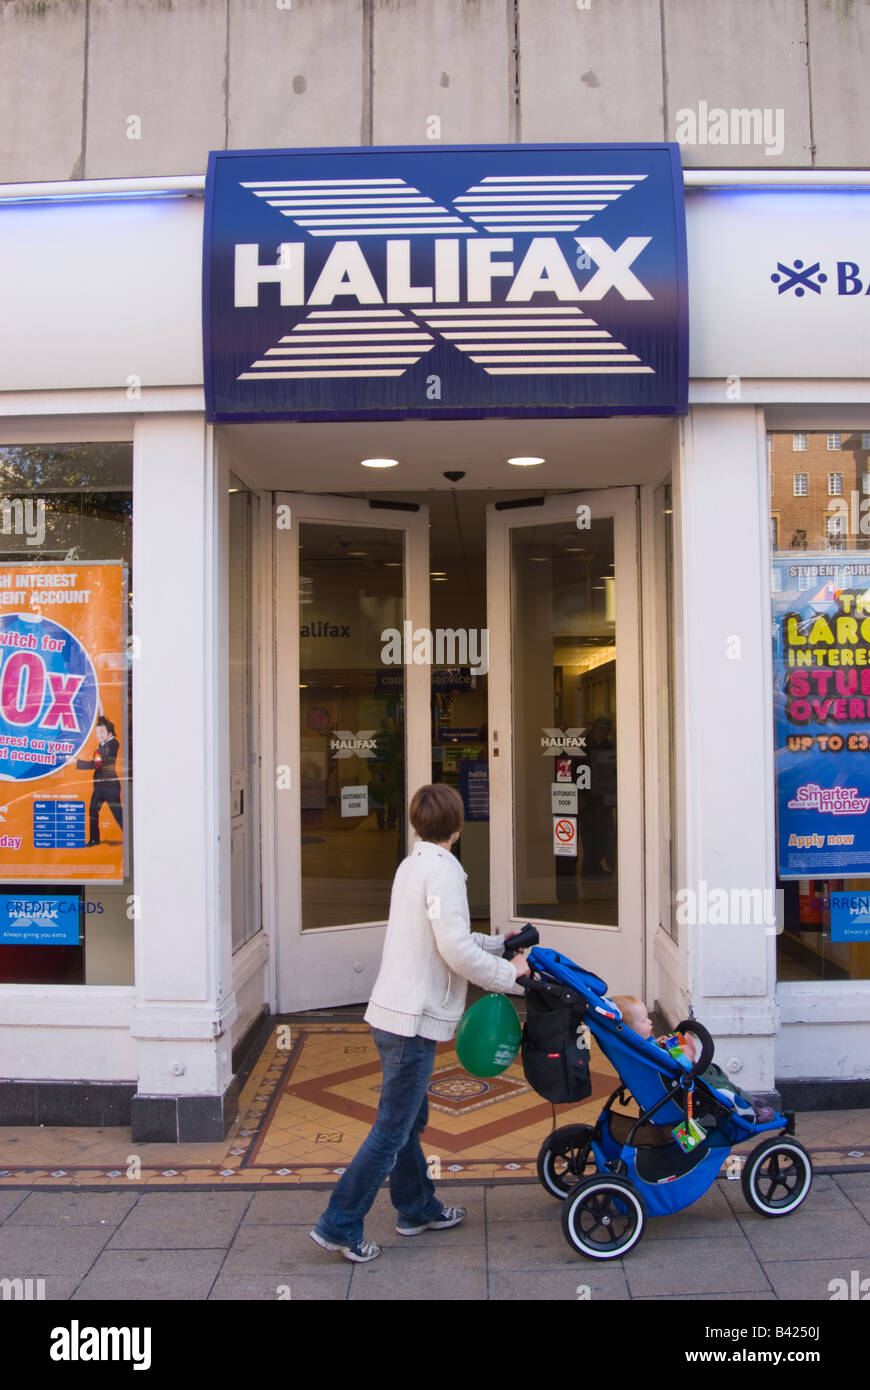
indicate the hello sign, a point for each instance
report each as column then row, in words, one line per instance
column 445, row 282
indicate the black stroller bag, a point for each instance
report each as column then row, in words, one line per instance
column 555, row 1062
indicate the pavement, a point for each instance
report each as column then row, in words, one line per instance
column 253, row 1245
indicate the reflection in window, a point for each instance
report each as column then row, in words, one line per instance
column 66, row 506
column 352, row 721
column 820, row 588
column 564, row 721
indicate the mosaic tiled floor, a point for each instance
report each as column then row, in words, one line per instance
column 311, row 1100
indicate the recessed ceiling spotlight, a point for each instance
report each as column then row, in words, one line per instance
column 526, row 461
column 379, row 463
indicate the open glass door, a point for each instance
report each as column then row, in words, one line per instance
column 352, row 734
column 566, row 799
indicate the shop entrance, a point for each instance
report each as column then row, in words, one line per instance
column 485, row 639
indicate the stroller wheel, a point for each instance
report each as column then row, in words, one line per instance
column 604, row 1217
column 562, row 1159
column 777, row 1176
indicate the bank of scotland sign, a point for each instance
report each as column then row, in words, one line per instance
column 445, row 282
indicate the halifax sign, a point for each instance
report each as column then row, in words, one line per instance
column 445, row 282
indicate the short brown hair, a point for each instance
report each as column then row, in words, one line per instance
column 436, row 811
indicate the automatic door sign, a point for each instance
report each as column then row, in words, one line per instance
column 565, row 835
column 447, row 282
column 354, row 801
column 564, row 799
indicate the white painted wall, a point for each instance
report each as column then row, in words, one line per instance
column 184, row 1000
column 136, row 267
column 727, row 760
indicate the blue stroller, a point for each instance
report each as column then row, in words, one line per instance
column 612, row 1174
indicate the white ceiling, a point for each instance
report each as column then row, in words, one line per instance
column 325, row 457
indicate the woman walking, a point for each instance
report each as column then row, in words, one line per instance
column 429, row 955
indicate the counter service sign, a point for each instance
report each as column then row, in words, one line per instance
column 62, row 701
column 425, row 283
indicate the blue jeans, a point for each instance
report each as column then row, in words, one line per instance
column 391, row 1147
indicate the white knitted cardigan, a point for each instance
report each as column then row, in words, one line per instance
column 430, row 951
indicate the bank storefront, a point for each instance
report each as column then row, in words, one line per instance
column 496, row 466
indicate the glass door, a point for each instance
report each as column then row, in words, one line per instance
column 352, row 733
column 565, row 764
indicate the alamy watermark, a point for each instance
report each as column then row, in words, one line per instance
column 731, row 907
column 735, row 125
column 23, row 516
column 22, row 1289
column 464, row 646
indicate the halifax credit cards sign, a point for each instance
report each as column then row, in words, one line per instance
column 445, row 282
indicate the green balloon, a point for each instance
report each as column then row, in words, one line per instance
column 488, row 1038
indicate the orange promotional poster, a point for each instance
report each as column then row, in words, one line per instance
column 63, row 727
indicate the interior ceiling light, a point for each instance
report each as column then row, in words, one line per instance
column 526, row 462
column 379, row 463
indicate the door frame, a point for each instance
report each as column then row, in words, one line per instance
column 333, row 966
column 617, row 953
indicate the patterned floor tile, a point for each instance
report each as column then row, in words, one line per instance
column 306, row 1108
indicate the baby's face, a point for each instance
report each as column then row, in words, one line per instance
column 640, row 1021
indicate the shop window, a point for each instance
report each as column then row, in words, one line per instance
column 66, row 648
column 836, row 526
column 798, row 443
column 820, row 589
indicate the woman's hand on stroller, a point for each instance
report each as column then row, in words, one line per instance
column 521, row 965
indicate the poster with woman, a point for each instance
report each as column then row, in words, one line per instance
column 63, row 686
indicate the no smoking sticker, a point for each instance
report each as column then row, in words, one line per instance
column 565, row 835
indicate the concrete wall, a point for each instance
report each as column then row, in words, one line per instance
column 112, row 88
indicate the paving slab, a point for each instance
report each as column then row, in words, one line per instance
column 75, row 1208
column 811, row 1279
column 454, row 1274
column 767, row 1297
column 586, row 1282
column 148, row 1275
column 531, row 1245
column 301, row 1287
column 512, row 1202
column 807, row 1234
column 194, row 1221
column 660, row 1267
column 37, row 1251
column 278, row 1252
column 853, row 1183
column 285, row 1208
column 10, row 1201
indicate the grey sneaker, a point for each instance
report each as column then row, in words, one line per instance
column 360, row 1253
column 450, row 1216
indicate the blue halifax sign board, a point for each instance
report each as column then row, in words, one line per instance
column 445, row 282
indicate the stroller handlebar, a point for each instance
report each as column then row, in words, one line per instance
column 525, row 938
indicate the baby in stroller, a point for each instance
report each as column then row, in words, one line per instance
column 635, row 1014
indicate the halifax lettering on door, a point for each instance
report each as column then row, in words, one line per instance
column 447, row 282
